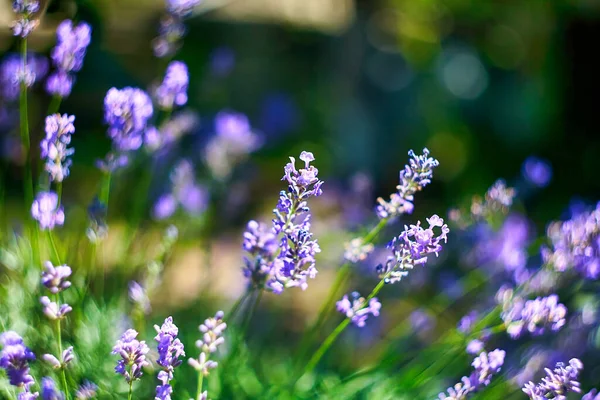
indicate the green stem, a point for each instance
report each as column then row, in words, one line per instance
column 130, row 396
column 59, row 192
column 60, row 351
column 54, row 105
column 53, row 245
column 248, row 316
column 236, row 306
column 200, row 382
column 104, row 197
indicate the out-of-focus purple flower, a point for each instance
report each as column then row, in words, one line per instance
column 537, row 171
column 59, row 84
column 46, row 210
column 171, row 131
column 54, row 278
column 535, row 316
column 466, row 323
column 53, row 310
column 421, row 321
column 173, row 89
column 27, row 395
column 233, row 141
column 592, row 395
column 169, row 350
column 49, row 390
column 181, row 8
column 66, row 358
column 413, row 178
column 356, row 251
column 127, row 111
column 358, row 309
column 185, row 191
column 138, row 295
column 499, row 198
column 557, row 383
column 165, row 206
column 86, row 391
column 295, row 262
column 212, row 337
column 412, row 247
column 475, row 346
column 575, row 244
column 54, row 146
column 133, row 356
column 12, row 73
column 222, row 61
column 25, row 22
column 172, row 28
column 97, row 229
column 15, row 358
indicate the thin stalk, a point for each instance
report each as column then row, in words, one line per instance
column 236, row 306
column 60, row 351
column 53, row 245
column 248, row 316
column 54, row 105
column 130, row 396
column 59, row 192
column 200, row 382
column 104, row 198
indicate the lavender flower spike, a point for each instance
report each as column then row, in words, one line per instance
column 169, row 350
column 49, row 390
column 25, row 22
column 358, row 310
column 54, row 146
column 54, row 278
column 413, row 178
column 127, row 111
column 15, row 358
column 412, row 247
column 173, row 89
column 53, row 310
column 46, row 211
column 133, row 356
column 557, row 383
column 66, row 358
column 86, row 391
column 212, row 330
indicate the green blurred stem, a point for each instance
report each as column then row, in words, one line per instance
column 53, row 245
column 250, row 313
column 54, row 104
column 104, row 198
column 200, row 382
column 236, row 306
column 130, row 395
column 60, row 351
column 59, row 192
column 328, row 306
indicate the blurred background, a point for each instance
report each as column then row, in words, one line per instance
column 485, row 85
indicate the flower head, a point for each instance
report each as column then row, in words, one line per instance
column 54, row 278
column 49, row 390
column 537, row 171
column 133, row 356
column 359, row 309
column 12, row 73
column 126, row 112
column 169, row 350
column 15, row 358
column 87, row 390
column 54, row 146
column 25, row 22
column 173, row 89
column 212, row 337
column 557, row 383
column 46, row 210
column 53, row 310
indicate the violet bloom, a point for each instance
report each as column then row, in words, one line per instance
column 212, row 337
column 49, row 390
column 173, row 89
column 54, row 146
column 54, row 278
column 413, row 178
column 358, row 310
column 412, row 247
column 67, row 56
column 67, row 357
column 172, row 28
column 126, row 112
column 557, row 383
column 575, row 244
column 15, row 358
column 138, row 295
column 53, row 310
column 293, row 262
column 466, row 323
column 25, row 22
column 592, row 395
column 12, row 74
column 185, row 192
column 356, row 251
column 133, row 356
column 486, row 365
column 46, row 210
column 169, row 350
column 87, row 390
column 537, row 171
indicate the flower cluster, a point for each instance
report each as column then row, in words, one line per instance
column 172, row 28
column 557, row 383
column 412, row 247
column 185, row 192
column 592, row 395
column 413, row 178
column 54, row 146
column 66, row 358
column 15, row 358
column 47, row 210
column 357, row 251
column 173, row 89
column 284, row 256
column 169, row 350
column 575, row 244
column 212, row 337
column 358, row 310
column 537, row 171
column 55, row 279
column 12, row 74
column 49, row 390
column 133, row 356
column 170, row 131
column 87, row 390
column 486, row 365
column 126, row 112
column 67, row 56
column 534, row 316
column 232, row 143
column 25, row 22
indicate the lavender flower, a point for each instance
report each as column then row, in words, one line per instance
column 181, row 8
column 475, row 346
column 413, row 178
column 212, row 330
column 535, row 316
column 133, row 356
column 49, row 390
column 357, row 251
column 27, row 395
column 138, row 295
column 173, row 89
column 53, row 310
column 172, row 29
column 592, row 395
column 557, row 383
column 575, row 244
column 55, row 278
column 86, row 391
column 12, row 73
column 127, row 111
column 486, row 365
column 170, row 131
column 169, row 350
column 25, row 22
column 537, row 171
column 54, row 146
column 66, row 358
column 15, row 358
column 498, row 198
column 466, row 323
column 412, row 247
column 46, row 210
column 358, row 310
column 67, row 56
column 293, row 262
column 185, row 192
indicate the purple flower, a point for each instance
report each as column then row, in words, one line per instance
column 181, row 8
column 87, row 390
column 185, row 192
column 356, row 251
column 127, row 111
column 412, row 247
column 59, row 84
column 138, row 295
column 169, row 350
column 413, row 178
column 46, row 210
column 27, row 395
column 172, row 28
column 54, row 146
column 15, row 358
column 475, row 346
column 557, row 383
column 25, row 22
column 592, row 395
column 55, row 278
column 212, row 337
column 466, row 323
column 53, row 310
column 12, row 73
column 133, row 356
column 173, row 89
column 537, row 171
column 49, row 390
column 165, row 206
column 66, row 358
column 358, row 310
